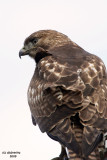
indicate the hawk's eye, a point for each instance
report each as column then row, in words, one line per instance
column 34, row 40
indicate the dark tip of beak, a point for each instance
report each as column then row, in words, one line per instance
column 22, row 52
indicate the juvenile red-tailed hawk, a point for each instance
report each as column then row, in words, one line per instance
column 67, row 94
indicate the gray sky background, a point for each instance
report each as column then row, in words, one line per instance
column 84, row 21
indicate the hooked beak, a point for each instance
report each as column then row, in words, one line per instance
column 23, row 52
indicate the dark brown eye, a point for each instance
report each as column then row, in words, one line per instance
column 34, row 40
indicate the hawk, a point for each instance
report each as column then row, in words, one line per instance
column 67, row 94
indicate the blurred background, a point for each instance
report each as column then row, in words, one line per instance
column 85, row 22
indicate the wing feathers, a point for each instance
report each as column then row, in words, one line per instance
column 64, row 85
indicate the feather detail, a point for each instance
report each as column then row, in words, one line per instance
column 68, row 92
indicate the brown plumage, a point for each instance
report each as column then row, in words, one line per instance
column 68, row 93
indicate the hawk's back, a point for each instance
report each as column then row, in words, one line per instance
column 70, row 82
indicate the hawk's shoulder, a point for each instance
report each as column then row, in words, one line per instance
column 75, row 81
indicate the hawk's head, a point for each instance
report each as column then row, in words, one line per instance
column 38, row 43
